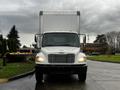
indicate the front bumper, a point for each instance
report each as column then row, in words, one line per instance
column 61, row 69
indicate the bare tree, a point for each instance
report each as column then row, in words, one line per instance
column 113, row 40
column 118, row 42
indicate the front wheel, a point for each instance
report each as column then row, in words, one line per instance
column 38, row 76
column 82, row 76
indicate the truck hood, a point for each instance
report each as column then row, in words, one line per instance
column 60, row 50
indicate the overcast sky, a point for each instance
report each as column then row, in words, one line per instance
column 97, row 16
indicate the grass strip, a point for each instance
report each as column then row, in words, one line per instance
column 105, row 58
column 13, row 69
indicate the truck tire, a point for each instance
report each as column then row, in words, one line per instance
column 38, row 76
column 82, row 76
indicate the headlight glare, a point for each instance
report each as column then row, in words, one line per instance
column 83, row 59
column 39, row 59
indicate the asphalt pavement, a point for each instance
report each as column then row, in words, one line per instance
column 101, row 76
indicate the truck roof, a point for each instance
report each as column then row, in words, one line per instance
column 67, row 12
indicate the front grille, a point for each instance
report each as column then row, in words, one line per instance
column 61, row 58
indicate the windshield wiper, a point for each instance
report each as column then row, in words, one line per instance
column 47, row 45
column 59, row 45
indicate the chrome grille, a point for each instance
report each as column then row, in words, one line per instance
column 61, row 58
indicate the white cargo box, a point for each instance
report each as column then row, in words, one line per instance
column 59, row 21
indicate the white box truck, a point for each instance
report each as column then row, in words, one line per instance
column 58, row 42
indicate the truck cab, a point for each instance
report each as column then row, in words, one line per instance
column 59, row 53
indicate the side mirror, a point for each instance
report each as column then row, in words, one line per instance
column 84, row 39
column 35, row 38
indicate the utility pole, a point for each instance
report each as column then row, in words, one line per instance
column 0, row 32
column 88, row 38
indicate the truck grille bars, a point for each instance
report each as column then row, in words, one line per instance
column 61, row 58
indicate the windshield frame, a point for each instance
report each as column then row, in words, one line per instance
column 78, row 44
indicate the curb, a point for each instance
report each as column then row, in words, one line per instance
column 3, row 81
column 21, row 75
column 17, row 76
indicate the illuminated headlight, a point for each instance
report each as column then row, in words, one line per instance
column 39, row 59
column 82, row 59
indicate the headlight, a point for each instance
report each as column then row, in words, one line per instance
column 82, row 59
column 39, row 59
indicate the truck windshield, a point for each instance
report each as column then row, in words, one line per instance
column 60, row 39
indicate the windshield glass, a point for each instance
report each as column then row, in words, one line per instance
column 60, row 39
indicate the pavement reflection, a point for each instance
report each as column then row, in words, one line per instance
column 100, row 76
column 61, row 82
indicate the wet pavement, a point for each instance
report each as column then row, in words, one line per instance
column 101, row 76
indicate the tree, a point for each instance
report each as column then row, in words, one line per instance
column 101, row 43
column 101, row 39
column 118, row 43
column 13, row 42
column 24, row 46
column 1, row 40
column 3, row 45
column 113, row 40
